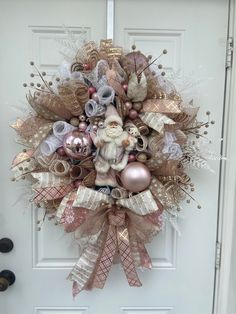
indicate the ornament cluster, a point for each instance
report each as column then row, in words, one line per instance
column 107, row 146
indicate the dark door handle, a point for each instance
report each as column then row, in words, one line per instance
column 6, row 245
column 7, row 278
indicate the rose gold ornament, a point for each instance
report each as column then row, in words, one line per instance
column 135, row 177
column 95, row 127
column 83, row 126
column 77, row 144
column 95, row 97
column 92, row 90
column 131, row 158
column 128, row 105
column 125, row 87
column 133, row 114
column 86, row 66
column 61, row 151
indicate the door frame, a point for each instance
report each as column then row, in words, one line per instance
column 226, row 231
column 224, row 302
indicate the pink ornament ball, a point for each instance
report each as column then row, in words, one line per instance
column 61, row 152
column 136, row 177
column 125, row 87
column 83, row 126
column 128, row 105
column 92, row 90
column 77, row 145
column 87, row 66
column 95, row 97
column 131, row 158
column 133, row 114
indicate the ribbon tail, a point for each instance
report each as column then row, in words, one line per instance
column 106, row 259
column 84, row 268
column 126, row 257
column 145, row 259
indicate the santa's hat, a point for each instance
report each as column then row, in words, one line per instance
column 112, row 116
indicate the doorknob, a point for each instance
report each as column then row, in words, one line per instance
column 6, row 245
column 7, row 278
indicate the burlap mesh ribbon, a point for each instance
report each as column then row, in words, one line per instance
column 110, row 227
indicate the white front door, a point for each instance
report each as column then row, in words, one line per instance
column 182, row 279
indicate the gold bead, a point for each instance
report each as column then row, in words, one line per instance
column 208, row 113
column 165, row 51
column 133, row 47
column 25, row 85
column 160, row 66
column 212, row 122
column 163, row 73
column 199, row 206
column 31, row 63
column 43, row 73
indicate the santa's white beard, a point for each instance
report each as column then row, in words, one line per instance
column 113, row 132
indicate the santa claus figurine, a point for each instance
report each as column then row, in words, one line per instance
column 113, row 147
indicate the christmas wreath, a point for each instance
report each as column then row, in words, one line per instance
column 107, row 145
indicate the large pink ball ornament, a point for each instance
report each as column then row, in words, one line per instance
column 77, row 144
column 135, row 177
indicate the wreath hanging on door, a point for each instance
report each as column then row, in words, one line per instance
column 107, row 145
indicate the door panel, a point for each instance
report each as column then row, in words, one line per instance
column 194, row 33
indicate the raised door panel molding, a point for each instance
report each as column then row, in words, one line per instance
column 51, row 246
column 60, row 310
column 153, row 41
column 49, row 44
column 163, row 249
column 147, row 310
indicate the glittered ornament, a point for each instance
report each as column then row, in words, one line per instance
column 77, row 144
column 74, row 121
column 135, row 177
